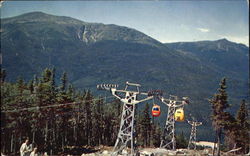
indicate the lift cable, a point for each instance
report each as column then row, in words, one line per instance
column 55, row 105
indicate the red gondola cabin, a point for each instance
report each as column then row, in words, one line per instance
column 156, row 111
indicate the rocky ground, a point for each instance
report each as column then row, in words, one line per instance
column 155, row 152
column 106, row 151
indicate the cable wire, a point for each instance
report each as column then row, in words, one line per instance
column 55, row 105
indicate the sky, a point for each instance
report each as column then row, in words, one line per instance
column 166, row 21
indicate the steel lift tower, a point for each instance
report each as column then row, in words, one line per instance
column 168, row 139
column 130, row 99
column 192, row 139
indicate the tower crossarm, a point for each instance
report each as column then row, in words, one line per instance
column 114, row 92
column 173, row 103
column 131, row 94
column 145, row 99
column 193, row 123
column 190, row 122
column 198, row 123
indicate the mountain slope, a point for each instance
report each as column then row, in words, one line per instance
column 231, row 58
column 94, row 53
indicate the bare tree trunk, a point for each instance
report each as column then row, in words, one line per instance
column 57, row 134
column 15, row 141
column 218, row 141
column 46, row 132
column 74, row 133
column 215, row 141
column 33, row 136
column 63, row 142
column 54, row 134
column 65, row 136
column 11, row 142
column 20, row 142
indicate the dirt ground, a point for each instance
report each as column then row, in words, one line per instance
column 107, row 151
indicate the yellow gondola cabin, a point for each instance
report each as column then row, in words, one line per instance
column 179, row 115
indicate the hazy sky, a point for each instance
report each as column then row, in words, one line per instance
column 166, row 21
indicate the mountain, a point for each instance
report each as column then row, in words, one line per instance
column 88, row 51
column 230, row 57
column 94, row 53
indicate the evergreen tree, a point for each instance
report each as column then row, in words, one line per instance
column 146, row 126
column 46, row 75
column 53, row 85
column 70, row 92
column 220, row 118
column 63, row 97
column 2, row 75
column 181, row 141
column 20, row 85
column 97, row 121
column 243, row 122
column 81, row 119
column 31, row 86
column 88, row 118
column 63, row 81
column 156, row 136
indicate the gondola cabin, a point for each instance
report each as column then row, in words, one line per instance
column 156, row 111
column 179, row 115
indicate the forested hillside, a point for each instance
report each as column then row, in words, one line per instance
column 59, row 119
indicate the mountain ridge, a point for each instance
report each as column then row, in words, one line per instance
column 99, row 31
column 222, row 40
column 220, row 54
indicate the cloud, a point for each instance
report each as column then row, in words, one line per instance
column 169, row 41
column 1, row 3
column 203, row 30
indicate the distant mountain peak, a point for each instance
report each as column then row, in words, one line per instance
column 41, row 17
column 34, row 13
column 30, row 15
column 87, row 32
column 223, row 40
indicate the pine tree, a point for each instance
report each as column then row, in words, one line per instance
column 95, row 114
column 46, row 75
column 70, row 92
column 63, row 97
column 156, row 137
column 146, row 126
column 53, row 85
column 20, row 85
column 31, row 86
column 181, row 142
column 2, row 75
column 88, row 118
column 63, row 81
column 242, row 119
column 81, row 120
column 23, row 121
column 219, row 116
